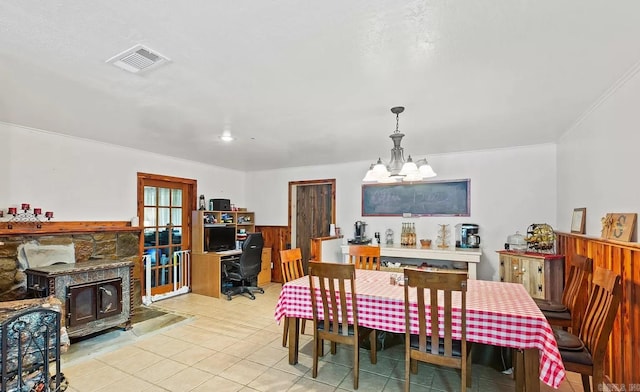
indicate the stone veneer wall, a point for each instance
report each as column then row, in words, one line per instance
column 88, row 246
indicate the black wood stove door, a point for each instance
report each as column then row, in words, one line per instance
column 93, row 301
column 109, row 295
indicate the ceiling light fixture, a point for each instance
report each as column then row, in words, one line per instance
column 226, row 137
column 398, row 169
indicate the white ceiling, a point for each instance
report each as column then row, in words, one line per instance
column 311, row 82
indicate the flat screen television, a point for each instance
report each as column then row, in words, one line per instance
column 219, row 238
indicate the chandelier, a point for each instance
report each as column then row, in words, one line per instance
column 398, row 169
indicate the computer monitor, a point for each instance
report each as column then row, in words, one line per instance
column 220, row 238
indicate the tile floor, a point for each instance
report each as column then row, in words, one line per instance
column 237, row 346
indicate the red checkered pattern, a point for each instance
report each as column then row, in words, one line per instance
column 498, row 313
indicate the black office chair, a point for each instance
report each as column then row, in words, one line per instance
column 246, row 270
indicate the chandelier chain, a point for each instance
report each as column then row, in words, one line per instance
column 397, row 122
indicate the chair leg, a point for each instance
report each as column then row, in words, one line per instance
column 334, row 348
column 374, row 347
column 469, row 362
column 407, row 366
column 586, row 385
column 356, row 365
column 316, row 351
column 304, row 323
column 285, row 332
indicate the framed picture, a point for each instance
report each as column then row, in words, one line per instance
column 616, row 226
column 428, row 198
column 578, row 220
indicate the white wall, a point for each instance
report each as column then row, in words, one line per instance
column 598, row 159
column 510, row 189
column 79, row 179
column 86, row 180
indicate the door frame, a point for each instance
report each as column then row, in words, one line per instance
column 293, row 185
column 190, row 200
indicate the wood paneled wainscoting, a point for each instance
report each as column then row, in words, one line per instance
column 623, row 353
column 277, row 238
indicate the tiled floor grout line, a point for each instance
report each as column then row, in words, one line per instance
column 243, row 334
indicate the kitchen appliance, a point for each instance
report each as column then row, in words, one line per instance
column 359, row 234
column 467, row 235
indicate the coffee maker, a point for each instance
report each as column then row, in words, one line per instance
column 359, row 234
column 467, row 236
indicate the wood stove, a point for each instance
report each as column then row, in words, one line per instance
column 97, row 293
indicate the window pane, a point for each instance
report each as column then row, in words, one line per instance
column 150, row 238
column 176, row 216
column 149, row 196
column 163, row 197
column 176, row 197
column 149, row 216
column 176, row 236
column 163, row 217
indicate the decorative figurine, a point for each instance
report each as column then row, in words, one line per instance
column 202, row 203
column 389, row 237
column 443, row 236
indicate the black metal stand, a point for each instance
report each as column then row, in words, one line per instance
column 30, row 347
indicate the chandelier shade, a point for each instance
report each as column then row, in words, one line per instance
column 398, row 169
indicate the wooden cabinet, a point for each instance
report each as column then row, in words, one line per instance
column 265, row 272
column 242, row 221
column 541, row 274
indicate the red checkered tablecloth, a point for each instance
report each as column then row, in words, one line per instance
column 498, row 313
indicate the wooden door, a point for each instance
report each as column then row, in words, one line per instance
column 311, row 211
column 164, row 205
column 537, row 278
column 314, row 216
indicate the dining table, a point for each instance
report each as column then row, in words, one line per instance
column 498, row 313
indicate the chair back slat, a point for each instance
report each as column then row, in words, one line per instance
column 601, row 311
column 332, row 281
column 576, row 293
column 291, row 264
column 365, row 256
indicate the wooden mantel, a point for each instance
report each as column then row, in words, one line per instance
column 73, row 227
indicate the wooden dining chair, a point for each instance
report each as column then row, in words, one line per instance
column 584, row 352
column 365, row 257
column 291, row 266
column 568, row 313
column 434, row 343
column 335, row 284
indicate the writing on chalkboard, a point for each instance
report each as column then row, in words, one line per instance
column 430, row 198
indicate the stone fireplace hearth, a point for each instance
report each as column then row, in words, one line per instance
column 88, row 247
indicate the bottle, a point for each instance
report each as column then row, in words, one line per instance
column 413, row 234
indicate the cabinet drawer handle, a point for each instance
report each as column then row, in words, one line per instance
column 539, row 269
column 540, row 287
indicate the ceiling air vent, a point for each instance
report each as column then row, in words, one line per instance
column 139, row 58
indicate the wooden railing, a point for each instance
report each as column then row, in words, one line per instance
column 623, row 353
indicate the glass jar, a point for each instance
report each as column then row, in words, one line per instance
column 517, row 243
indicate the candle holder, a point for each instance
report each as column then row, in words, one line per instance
column 26, row 216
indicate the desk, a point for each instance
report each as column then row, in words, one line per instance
column 206, row 272
column 498, row 313
column 469, row 256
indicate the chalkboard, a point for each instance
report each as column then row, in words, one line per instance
column 432, row 198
